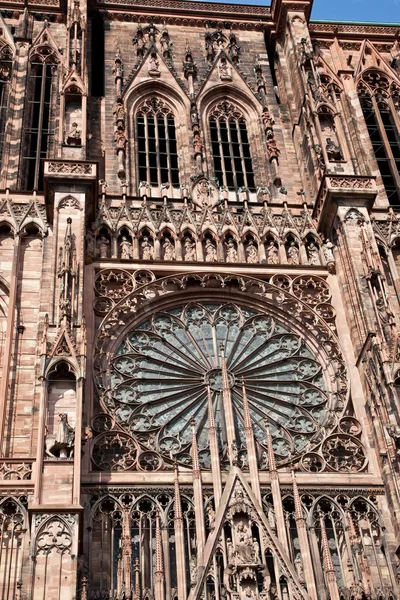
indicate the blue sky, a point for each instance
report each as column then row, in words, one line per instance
column 382, row 11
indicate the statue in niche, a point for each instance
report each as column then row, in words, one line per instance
column 244, row 545
column 190, row 250
column 126, row 248
column 225, row 71
column 256, row 550
column 234, row 453
column 211, row 252
column 61, row 445
column 203, row 193
column 103, row 246
column 333, row 150
column 231, row 552
column 264, row 460
column 147, row 249
column 273, row 149
column 328, row 251
column 271, row 517
column 313, row 254
column 293, row 254
column 154, row 64
column 197, row 143
column 272, row 254
column 252, row 253
column 193, row 570
column 169, row 250
column 231, row 252
column 73, row 136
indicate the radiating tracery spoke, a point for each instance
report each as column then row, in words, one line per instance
column 162, row 370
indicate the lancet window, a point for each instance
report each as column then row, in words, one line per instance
column 40, row 117
column 376, row 93
column 12, row 529
column 230, row 147
column 5, row 76
column 156, row 142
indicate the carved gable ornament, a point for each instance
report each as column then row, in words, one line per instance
column 240, row 512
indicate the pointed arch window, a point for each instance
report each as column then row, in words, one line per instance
column 230, row 147
column 40, row 117
column 377, row 97
column 6, row 56
column 156, row 140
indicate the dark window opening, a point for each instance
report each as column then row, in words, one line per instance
column 231, row 149
column 40, row 129
column 97, row 48
column 156, row 144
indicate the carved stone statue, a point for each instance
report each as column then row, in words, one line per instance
column 61, row 445
column 73, row 136
column 211, row 516
column 272, row 254
column 103, row 246
column 293, row 254
column 231, row 552
column 169, row 250
column 193, row 570
column 190, row 250
column 119, row 111
column 244, row 545
column 225, row 71
column 211, row 252
column 234, row 453
column 252, row 253
column 126, row 248
column 333, row 150
column 328, row 251
column 313, row 254
column 299, row 568
column 256, row 550
column 231, row 252
column 154, row 65
column 147, row 249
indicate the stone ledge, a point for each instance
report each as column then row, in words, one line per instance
column 342, row 190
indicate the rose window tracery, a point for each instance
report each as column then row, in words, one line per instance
column 158, row 382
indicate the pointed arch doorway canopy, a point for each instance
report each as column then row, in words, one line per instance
column 159, row 352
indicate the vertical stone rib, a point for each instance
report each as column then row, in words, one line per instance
column 195, row 452
column 179, row 539
column 228, row 412
column 214, row 451
column 270, row 450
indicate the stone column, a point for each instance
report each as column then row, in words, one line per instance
column 330, row 575
column 159, row 593
column 251, row 447
column 214, row 451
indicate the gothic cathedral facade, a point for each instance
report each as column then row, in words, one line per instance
column 199, row 302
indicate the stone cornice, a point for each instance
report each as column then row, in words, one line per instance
column 210, row 12
column 353, row 30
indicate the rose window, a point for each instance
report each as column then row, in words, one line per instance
column 159, row 379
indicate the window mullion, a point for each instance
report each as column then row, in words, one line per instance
column 239, row 134
column 146, row 137
column 40, row 126
column 228, row 127
column 157, row 149
column 168, row 150
column 221, row 153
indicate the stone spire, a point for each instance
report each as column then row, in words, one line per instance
column 270, row 450
column 351, row 529
column 298, row 511
column 214, row 450
column 177, row 496
column 159, row 568
column 179, row 539
column 211, row 416
column 329, row 570
column 251, row 447
column 198, row 494
column 305, row 553
column 195, row 452
column 227, row 400
column 246, row 410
